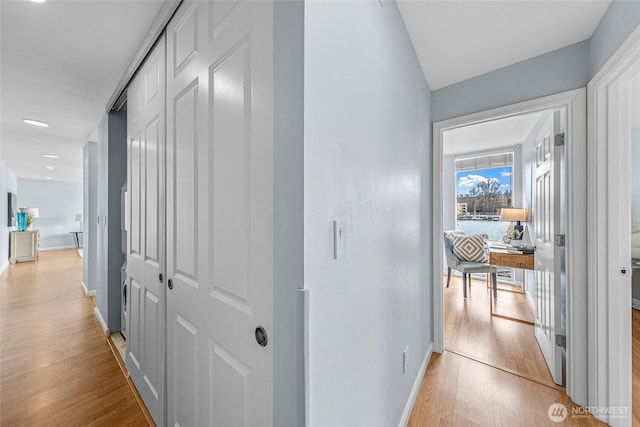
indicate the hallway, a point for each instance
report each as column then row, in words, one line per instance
column 56, row 367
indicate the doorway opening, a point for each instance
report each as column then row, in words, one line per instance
column 573, row 124
column 492, row 164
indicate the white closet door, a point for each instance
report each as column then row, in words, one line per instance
column 220, row 215
column 146, row 247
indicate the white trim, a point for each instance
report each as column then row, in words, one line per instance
column 56, row 248
column 103, row 324
column 4, row 267
column 88, row 293
column 608, row 250
column 575, row 104
column 417, row 383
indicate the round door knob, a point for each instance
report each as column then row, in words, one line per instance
column 170, row 284
column 161, row 278
column 261, row 336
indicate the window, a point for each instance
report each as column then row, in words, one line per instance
column 483, row 188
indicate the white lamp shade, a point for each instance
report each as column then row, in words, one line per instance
column 513, row 214
column 79, row 217
column 34, row 212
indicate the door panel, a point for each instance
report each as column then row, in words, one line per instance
column 145, row 249
column 220, row 226
column 548, row 259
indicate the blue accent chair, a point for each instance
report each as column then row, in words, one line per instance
column 467, row 268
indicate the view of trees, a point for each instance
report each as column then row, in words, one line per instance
column 486, row 198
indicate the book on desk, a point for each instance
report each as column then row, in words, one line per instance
column 508, row 249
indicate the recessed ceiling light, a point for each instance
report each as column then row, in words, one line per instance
column 36, row 123
column 50, row 156
column 49, row 167
column 38, row 1
column 48, row 177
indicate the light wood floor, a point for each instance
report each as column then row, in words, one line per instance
column 492, row 372
column 56, row 368
column 457, row 391
column 471, row 330
column 635, row 366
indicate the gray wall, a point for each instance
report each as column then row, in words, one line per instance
column 554, row 72
column 8, row 183
column 366, row 161
column 618, row 23
column 90, row 212
column 58, row 203
column 288, row 369
column 564, row 69
column 112, row 173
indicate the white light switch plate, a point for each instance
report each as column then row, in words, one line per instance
column 339, row 238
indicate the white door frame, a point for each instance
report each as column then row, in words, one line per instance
column 576, row 240
column 609, row 223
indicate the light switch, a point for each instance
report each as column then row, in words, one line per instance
column 339, row 238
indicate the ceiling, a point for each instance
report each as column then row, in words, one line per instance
column 457, row 40
column 490, row 135
column 61, row 60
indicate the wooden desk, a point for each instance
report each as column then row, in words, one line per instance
column 503, row 258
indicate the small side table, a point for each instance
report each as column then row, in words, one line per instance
column 76, row 238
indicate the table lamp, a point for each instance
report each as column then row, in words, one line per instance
column 79, row 219
column 514, row 215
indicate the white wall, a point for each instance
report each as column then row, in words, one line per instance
column 58, row 202
column 8, row 183
column 367, row 160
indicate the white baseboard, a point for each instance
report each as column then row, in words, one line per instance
column 88, row 293
column 531, row 301
column 406, row 414
column 56, row 248
column 4, row 267
column 101, row 321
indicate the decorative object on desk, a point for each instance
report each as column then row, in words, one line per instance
column 516, row 238
column 22, row 220
column 79, row 219
column 526, row 237
column 32, row 214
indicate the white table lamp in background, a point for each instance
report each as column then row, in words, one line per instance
column 79, row 219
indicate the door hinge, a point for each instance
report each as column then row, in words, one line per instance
column 559, row 239
column 561, row 341
column 559, row 140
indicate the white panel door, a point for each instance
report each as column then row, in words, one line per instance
column 146, row 247
column 220, row 215
column 548, row 255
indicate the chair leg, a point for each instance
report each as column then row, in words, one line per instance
column 448, row 276
column 494, row 277
column 464, row 284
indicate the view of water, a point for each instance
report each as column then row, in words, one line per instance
column 494, row 229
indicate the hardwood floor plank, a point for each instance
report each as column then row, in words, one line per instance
column 635, row 366
column 56, row 367
column 472, row 331
column 457, row 391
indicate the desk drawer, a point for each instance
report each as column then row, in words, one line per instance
column 513, row 260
